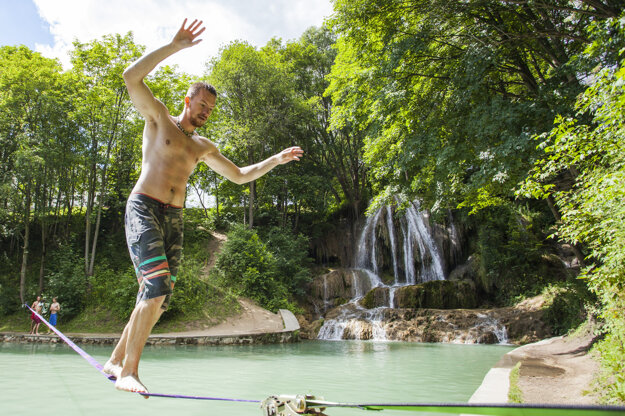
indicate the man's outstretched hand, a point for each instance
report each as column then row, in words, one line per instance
column 186, row 37
column 290, row 154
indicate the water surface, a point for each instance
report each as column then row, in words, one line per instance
column 53, row 378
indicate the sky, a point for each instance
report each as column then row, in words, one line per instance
column 50, row 26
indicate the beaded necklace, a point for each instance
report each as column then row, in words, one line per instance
column 187, row 133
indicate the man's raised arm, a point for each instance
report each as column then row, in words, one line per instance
column 141, row 96
column 223, row 166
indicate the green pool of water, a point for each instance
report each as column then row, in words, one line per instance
column 54, row 379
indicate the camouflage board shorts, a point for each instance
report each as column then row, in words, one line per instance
column 154, row 237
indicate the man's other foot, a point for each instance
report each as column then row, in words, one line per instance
column 113, row 370
column 130, row 383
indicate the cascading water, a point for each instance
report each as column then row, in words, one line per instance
column 417, row 231
column 418, row 245
column 391, row 232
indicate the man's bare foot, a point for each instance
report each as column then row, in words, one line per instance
column 130, row 383
column 112, row 369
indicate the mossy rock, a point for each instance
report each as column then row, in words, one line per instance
column 439, row 294
column 375, row 298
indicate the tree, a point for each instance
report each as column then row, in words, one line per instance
column 255, row 100
column 102, row 113
column 583, row 170
column 336, row 155
column 32, row 102
column 450, row 93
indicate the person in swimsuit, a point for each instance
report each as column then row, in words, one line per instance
column 171, row 151
column 55, row 307
column 35, row 320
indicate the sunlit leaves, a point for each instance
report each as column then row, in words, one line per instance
column 435, row 84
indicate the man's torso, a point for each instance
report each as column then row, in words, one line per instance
column 169, row 158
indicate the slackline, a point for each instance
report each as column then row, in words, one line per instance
column 99, row 367
column 312, row 403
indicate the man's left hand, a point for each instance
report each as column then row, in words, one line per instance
column 290, row 154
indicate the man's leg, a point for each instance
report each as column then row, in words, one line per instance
column 143, row 318
column 113, row 366
column 146, row 244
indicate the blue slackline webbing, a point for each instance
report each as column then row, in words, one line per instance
column 99, row 367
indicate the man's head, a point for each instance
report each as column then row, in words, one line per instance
column 54, row 300
column 200, row 102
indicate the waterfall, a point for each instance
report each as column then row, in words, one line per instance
column 418, row 231
column 375, row 317
column 357, row 291
column 391, row 296
column 355, row 323
column 416, row 236
column 366, row 254
column 391, row 236
column 417, row 242
column 486, row 325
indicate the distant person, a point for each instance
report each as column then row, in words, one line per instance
column 171, row 151
column 35, row 320
column 55, row 307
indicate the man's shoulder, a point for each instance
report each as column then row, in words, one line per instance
column 206, row 144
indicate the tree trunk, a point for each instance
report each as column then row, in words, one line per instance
column 44, row 235
column 26, row 245
column 251, row 206
column 88, row 231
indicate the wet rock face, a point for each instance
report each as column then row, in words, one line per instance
column 375, row 298
column 411, row 281
column 516, row 325
column 341, row 285
column 440, row 294
column 337, row 287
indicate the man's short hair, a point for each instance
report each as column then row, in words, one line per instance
column 195, row 88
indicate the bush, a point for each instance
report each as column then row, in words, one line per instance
column 115, row 290
column 566, row 306
column 67, row 283
column 512, row 257
column 191, row 293
column 247, row 265
column 292, row 261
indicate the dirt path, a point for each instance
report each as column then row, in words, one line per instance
column 251, row 320
column 558, row 371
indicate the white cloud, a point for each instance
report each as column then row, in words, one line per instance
column 154, row 22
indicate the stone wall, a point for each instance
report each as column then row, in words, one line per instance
column 244, row 339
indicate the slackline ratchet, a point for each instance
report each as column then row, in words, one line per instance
column 288, row 405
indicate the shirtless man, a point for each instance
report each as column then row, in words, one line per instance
column 171, row 150
column 35, row 321
column 54, row 312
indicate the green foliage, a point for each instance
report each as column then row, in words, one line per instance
column 514, row 392
column 612, row 378
column 512, row 256
column 116, row 290
column 68, row 283
column 565, row 306
column 191, row 294
column 290, row 252
column 249, row 266
column 449, row 94
column 583, row 169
